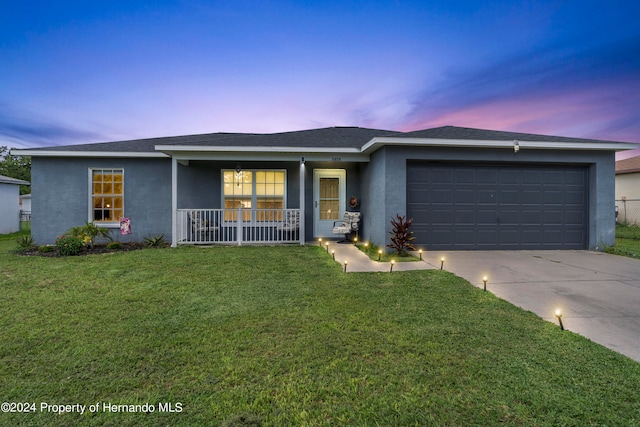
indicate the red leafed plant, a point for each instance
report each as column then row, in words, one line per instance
column 401, row 236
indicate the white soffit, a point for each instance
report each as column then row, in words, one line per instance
column 111, row 154
column 378, row 142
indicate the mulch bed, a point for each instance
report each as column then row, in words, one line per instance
column 95, row 249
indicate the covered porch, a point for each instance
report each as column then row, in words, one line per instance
column 258, row 195
column 247, row 200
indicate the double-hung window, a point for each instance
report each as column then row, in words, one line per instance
column 107, row 195
column 260, row 190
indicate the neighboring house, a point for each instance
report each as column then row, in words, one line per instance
column 25, row 203
column 628, row 190
column 464, row 188
column 10, row 204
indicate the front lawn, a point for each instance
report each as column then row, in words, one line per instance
column 281, row 336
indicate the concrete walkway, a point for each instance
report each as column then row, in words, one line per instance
column 598, row 293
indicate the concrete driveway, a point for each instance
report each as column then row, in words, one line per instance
column 598, row 293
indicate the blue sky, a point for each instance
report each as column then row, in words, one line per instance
column 82, row 71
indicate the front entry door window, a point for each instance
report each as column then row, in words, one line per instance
column 330, row 199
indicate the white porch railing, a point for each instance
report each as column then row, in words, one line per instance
column 238, row 226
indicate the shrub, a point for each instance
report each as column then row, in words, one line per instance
column 155, row 240
column 401, row 236
column 69, row 245
column 88, row 233
column 114, row 245
column 46, row 248
column 25, row 243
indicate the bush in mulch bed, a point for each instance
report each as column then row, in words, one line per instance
column 50, row 251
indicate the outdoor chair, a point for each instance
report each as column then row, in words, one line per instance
column 291, row 223
column 201, row 228
column 350, row 224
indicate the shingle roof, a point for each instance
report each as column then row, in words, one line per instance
column 629, row 165
column 455, row 132
column 353, row 137
column 331, row 137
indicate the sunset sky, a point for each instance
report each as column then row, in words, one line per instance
column 84, row 71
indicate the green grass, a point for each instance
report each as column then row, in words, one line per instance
column 283, row 336
column 627, row 241
column 373, row 252
column 628, row 231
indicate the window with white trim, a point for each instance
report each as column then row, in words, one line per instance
column 263, row 190
column 107, row 195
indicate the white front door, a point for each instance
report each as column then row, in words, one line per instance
column 329, row 200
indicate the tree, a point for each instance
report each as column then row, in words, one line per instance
column 15, row 167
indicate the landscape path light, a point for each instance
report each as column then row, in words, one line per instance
column 345, row 265
column 327, row 246
column 393, row 262
column 333, row 254
column 379, row 254
column 558, row 314
column 484, row 280
column 420, row 253
column 441, row 263
column 320, row 241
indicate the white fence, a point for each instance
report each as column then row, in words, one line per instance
column 238, row 226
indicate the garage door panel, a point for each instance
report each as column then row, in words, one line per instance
column 508, row 238
column 509, row 217
column 486, row 196
column 487, row 217
column 553, row 197
column 531, row 217
column 577, row 178
column 463, row 195
column 574, row 218
column 464, row 176
column 552, row 237
column 574, row 236
column 462, row 217
column 531, row 197
column 462, row 238
column 441, row 217
column 575, row 198
column 443, row 177
column 438, row 196
column 509, row 177
column 552, row 217
column 552, row 177
column 498, row 206
column 486, row 176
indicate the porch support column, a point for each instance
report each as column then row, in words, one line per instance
column 174, row 202
column 302, row 218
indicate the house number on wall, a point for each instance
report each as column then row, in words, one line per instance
column 336, row 159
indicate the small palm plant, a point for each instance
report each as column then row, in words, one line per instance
column 89, row 232
column 401, row 236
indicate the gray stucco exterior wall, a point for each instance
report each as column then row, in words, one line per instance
column 61, row 196
column 385, row 184
column 61, row 188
